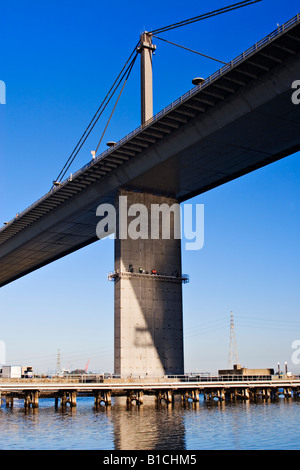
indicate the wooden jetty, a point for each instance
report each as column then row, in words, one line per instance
column 65, row 390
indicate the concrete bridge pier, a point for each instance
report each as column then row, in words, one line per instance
column 288, row 392
column 136, row 396
column 164, row 395
column 73, row 398
column 148, row 286
column 31, row 399
column 35, row 399
column 267, row 393
column 67, row 398
column 184, row 397
column 209, row 395
column 63, row 399
column 296, row 392
column 195, row 395
column 192, row 395
column 27, row 400
column 102, row 397
column 219, row 394
column 107, row 397
column 98, row 399
column 9, row 401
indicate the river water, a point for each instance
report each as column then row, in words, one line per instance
column 216, row 426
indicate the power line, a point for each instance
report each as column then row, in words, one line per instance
column 204, row 16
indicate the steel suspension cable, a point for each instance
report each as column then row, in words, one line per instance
column 114, row 86
column 190, row 50
column 129, row 71
column 204, row 16
column 95, row 118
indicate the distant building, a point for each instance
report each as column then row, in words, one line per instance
column 15, row 372
column 11, row 372
column 27, row 372
column 239, row 370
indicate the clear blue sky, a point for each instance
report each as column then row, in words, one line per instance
column 58, row 60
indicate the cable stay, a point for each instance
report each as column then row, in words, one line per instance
column 190, row 50
column 130, row 68
column 205, row 16
column 126, row 70
column 123, row 73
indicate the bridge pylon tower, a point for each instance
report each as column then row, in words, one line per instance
column 146, row 49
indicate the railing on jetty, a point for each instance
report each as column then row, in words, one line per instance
column 103, row 387
column 110, row 378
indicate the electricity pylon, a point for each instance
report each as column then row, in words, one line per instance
column 58, row 368
column 233, row 354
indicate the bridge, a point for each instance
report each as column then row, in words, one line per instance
column 235, row 121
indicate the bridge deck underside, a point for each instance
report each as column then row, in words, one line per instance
column 242, row 120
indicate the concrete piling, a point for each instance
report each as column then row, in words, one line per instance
column 162, row 392
column 102, row 397
column 67, row 398
column 9, row 401
column 31, row 399
column 136, row 396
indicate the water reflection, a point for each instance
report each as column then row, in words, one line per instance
column 148, row 426
column 179, row 426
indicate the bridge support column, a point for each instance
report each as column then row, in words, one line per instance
column 72, row 398
column 287, row 392
column 31, row 398
column 63, row 399
column 9, row 401
column 148, row 286
column 68, row 397
column 164, row 395
column 136, row 396
column 35, row 399
column 98, row 398
column 102, row 397
column 107, row 397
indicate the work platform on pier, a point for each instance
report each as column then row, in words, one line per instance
column 163, row 389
